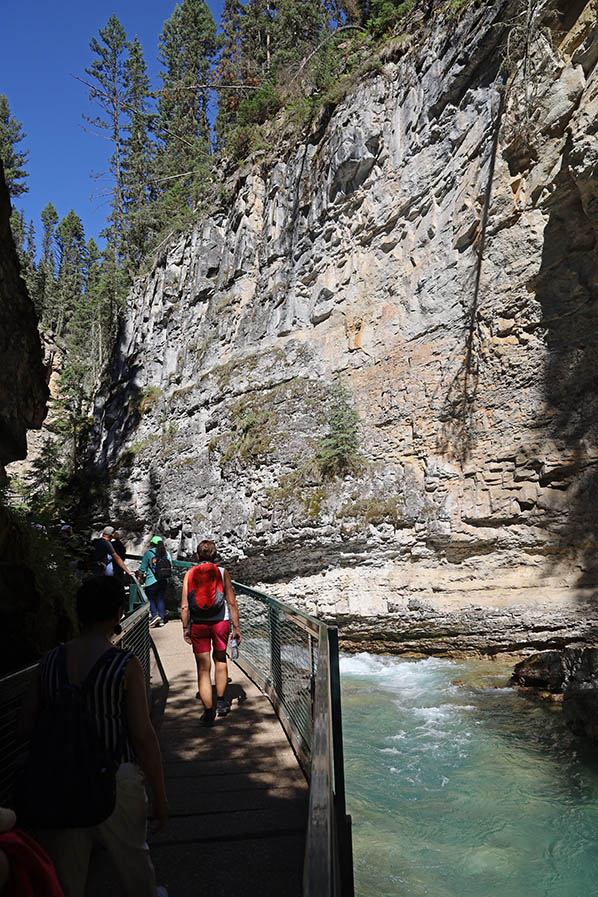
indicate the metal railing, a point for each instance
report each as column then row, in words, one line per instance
column 293, row 658
column 135, row 636
column 13, row 689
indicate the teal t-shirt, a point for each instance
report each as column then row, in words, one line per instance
column 147, row 568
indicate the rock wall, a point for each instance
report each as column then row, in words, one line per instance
column 23, row 389
column 467, row 343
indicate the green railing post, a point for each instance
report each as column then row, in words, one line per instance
column 132, row 595
column 275, row 657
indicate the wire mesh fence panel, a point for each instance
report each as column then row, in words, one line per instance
column 135, row 637
column 278, row 653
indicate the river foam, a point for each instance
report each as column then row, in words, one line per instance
column 459, row 787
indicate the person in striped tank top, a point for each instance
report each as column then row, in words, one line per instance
column 113, row 683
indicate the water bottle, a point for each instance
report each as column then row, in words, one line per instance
column 234, row 649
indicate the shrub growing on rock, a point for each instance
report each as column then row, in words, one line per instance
column 338, row 451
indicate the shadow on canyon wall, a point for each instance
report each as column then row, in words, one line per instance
column 567, row 289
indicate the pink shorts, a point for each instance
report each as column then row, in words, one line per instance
column 204, row 635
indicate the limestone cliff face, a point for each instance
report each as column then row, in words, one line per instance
column 473, row 518
column 23, row 389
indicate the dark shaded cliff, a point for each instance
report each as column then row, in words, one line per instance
column 23, row 387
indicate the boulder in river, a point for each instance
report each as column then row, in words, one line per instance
column 546, row 671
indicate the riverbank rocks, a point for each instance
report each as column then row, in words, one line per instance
column 580, row 701
column 546, row 671
column 572, row 673
column 466, row 516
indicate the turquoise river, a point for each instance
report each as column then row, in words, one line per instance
column 461, row 787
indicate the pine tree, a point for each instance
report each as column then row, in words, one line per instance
column 296, row 30
column 338, row 451
column 24, row 237
column 188, row 45
column 276, row 34
column 231, row 69
column 137, row 158
column 70, row 239
column 257, row 36
column 13, row 159
column 108, row 91
column 45, row 474
column 45, row 281
column 98, row 299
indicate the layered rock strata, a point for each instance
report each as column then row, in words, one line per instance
column 468, row 517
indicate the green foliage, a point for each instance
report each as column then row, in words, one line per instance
column 385, row 14
column 37, row 588
column 24, row 237
column 231, row 70
column 137, row 447
column 148, row 399
column 138, row 150
column 250, row 439
column 108, row 92
column 188, row 45
column 375, row 510
column 259, row 105
column 46, row 477
column 13, row 159
column 338, row 451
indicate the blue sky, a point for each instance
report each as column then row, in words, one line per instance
column 41, row 44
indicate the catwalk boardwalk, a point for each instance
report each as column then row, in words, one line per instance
column 238, row 799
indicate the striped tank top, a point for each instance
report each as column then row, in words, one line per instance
column 103, row 692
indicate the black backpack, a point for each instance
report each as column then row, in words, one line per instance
column 97, row 557
column 161, row 567
column 69, row 780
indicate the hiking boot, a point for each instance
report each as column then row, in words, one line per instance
column 222, row 707
column 208, row 717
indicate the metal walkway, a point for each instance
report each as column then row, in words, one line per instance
column 243, row 820
column 238, row 798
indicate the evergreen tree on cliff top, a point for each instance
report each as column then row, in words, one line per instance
column 45, row 286
column 232, row 69
column 278, row 33
column 13, row 159
column 70, row 239
column 108, row 78
column 138, row 152
column 188, row 47
column 24, row 237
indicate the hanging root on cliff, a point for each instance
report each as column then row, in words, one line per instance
column 459, row 404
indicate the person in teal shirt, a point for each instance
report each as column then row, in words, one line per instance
column 156, row 568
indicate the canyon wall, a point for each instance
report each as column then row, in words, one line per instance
column 466, row 343
column 23, row 389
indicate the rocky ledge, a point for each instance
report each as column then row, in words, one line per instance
column 570, row 676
